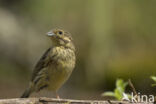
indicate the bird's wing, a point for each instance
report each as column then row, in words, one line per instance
column 42, row 63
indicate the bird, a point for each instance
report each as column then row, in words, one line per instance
column 55, row 66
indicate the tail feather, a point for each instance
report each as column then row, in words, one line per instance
column 26, row 93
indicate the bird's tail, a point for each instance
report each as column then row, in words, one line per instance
column 27, row 92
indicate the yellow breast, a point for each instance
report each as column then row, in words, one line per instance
column 61, row 68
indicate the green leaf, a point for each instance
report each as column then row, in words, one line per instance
column 118, row 91
column 153, row 78
column 118, row 94
column 119, row 82
column 108, row 93
column 121, row 85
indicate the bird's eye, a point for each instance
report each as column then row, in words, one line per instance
column 60, row 32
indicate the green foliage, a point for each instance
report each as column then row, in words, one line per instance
column 118, row 91
column 154, row 79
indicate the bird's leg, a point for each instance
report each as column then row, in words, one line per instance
column 57, row 96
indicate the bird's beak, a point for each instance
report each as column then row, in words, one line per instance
column 50, row 34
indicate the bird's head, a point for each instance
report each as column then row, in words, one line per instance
column 60, row 37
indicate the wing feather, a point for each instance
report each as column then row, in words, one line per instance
column 42, row 63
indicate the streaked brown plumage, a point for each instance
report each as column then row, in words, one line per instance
column 55, row 66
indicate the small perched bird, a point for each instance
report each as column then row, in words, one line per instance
column 56, row 64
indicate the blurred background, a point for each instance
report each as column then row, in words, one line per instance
column 114, row 39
